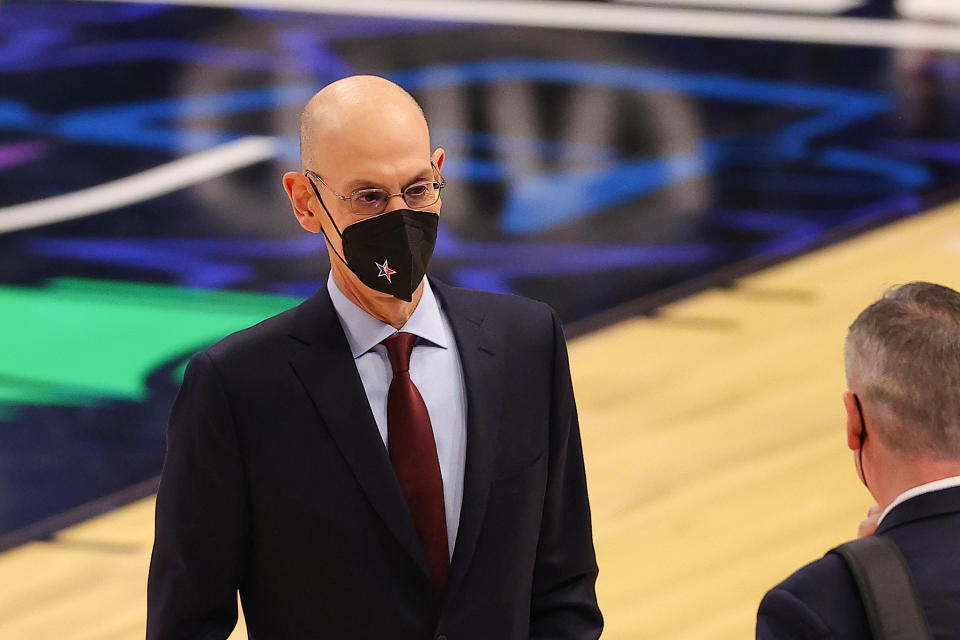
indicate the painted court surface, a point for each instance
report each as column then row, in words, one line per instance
column 706, row 212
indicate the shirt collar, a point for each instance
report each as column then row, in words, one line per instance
column 936, row 485
column 364, row 332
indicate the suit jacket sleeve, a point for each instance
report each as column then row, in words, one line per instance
column 564, row 601
column 201, row 530
column 784, row 616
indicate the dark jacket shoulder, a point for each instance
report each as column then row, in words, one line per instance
column 924, row 528
column 500, row 304
column 819, row 600
column 262, row 340
column 525, row 320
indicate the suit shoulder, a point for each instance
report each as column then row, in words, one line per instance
column 532, row 326
column 830, row 569
column 260, row 339
column 822, row 596
column 503, row 304
column 783, row 616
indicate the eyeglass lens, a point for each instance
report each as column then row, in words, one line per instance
column 416, row 196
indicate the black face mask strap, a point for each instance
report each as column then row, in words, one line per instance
column 317, row 192
column 863, row 436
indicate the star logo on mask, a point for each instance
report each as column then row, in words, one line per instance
column 385, row 270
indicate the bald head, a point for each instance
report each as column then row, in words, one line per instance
column 353, row 113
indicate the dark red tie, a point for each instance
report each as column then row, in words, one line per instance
column 413, row 452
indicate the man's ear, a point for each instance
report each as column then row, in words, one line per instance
column 854, row 423
column 300, row 193
column 438, row 157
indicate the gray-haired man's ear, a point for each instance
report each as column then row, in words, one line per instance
column 854, row 422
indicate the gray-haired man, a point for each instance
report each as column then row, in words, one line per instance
column 903, row 425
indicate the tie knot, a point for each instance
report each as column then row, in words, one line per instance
column 399, row 347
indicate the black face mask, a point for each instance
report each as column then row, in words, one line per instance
column 389, row 252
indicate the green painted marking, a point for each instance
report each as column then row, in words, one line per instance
column 13, row 391
column 178, row 373
column 81, row 342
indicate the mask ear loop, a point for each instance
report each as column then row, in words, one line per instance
column 332, row 221
column 863, row 437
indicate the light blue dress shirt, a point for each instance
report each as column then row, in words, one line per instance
column 435, row 370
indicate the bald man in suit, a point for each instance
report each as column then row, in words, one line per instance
column 395, row 458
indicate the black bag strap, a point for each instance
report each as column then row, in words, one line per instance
column 887, row 589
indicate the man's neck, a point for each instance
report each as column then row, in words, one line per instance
column 907, row 474
column 381, row 306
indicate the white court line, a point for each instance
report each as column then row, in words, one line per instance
column 897, row 34
column 149, row 184
column 930, row 9
column 799, row 6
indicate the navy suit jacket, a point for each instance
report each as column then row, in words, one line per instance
column 276, row 483
column 821, row 601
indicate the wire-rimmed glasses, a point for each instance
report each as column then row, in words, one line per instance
column 371, row 202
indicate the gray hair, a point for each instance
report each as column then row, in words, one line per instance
column 903, row 352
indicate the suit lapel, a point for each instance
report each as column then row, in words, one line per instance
column 326, row 369
column 482, row 360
